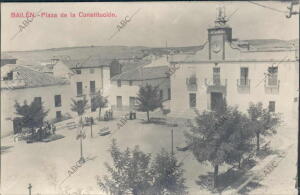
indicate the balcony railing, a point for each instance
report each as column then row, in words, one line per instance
column 216, row 82
column 243, row 83
column 192, row 84
column 272, row 85
column 216, row 85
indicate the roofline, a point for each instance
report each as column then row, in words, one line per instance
column 90, row 67
column 225, row 61
column 139, row 79
column 25, row 87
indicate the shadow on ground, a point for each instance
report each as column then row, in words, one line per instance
column 235, row 177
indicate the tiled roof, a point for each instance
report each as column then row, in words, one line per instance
column 89, row 62
column 28, row 78
column 143, row 73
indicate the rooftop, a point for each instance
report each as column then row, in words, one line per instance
column 27, row 78
column 89, row 62
column 143, row 73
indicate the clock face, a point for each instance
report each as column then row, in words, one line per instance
column 216, row 47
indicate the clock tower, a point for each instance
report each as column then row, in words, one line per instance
column 218, row 35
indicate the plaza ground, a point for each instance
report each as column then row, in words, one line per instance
column 46, row 165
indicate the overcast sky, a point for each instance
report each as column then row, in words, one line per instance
column 180, row 23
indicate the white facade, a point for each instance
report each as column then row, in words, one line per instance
column 127, row 91
column 229, row 61
column 47, row 93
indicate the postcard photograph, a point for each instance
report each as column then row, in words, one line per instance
column 150, row 98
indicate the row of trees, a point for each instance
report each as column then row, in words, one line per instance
column 226, row 135
column 132, row 172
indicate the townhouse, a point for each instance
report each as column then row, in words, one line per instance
column 125, row 86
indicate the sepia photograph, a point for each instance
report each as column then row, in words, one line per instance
column 150, row 98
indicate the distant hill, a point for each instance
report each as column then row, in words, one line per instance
column 106, row 52
column 35, row 57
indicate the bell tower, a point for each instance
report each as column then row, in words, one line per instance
column 218, row 35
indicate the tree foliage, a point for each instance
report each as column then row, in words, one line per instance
column 263, row 122
column 167, row 175
column 99, row 101
column 32, row 115
column 132, row 172
column 149, row 99
column 218, row 137
column 79, row 106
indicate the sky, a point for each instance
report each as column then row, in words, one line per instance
column 178, row 23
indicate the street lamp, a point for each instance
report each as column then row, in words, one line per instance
column 81, row 136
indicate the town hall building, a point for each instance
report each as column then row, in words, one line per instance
column 240, row 73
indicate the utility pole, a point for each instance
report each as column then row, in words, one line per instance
column 29, row 188
column 91, row 120
column 172, row 150
column 81, row 136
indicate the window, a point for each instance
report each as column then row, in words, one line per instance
column 79, row 88
column 92, row 87
column 92, row 70
column 130, row 83
column 93, row 105
column 271, row 106
column 58, row 115
column 192, row 100
column 78, row 71
column 216, row 76
column 272, row 76
column 244, row 76
column 57, row 100
column 169, row 93
column 119, row 102
column 161, row 94
column 119, row 83
column 38, row 100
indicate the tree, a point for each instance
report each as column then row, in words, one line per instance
column 79, row 106
column 217, row 136
column 241, row 138
column 99, row 101
column 32, row 115
column 167, row 175
column 263, row 122
column 149, row 99
column 129, row 173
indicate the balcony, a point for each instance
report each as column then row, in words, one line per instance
column 192, row 83
column 272, row 86
column 243, row 85
column 216, row 85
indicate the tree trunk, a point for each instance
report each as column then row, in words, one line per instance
column 239, row 163
column 216, row 175
column 257, row 141
column 148, row 116
column 99, row 113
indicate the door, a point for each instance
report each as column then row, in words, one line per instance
column 193, row 102
column 119, row 101
column 216, row 101
column 131, row 102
